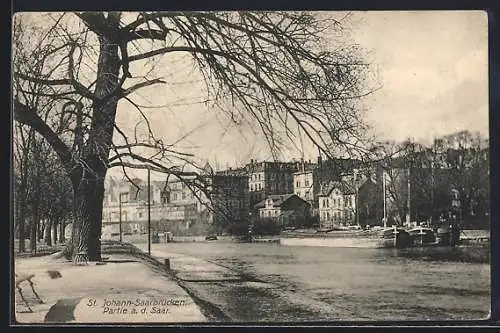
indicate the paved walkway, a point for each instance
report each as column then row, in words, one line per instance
column 123, row 290
column 191, row 269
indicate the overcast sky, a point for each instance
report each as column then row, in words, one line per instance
column 433, row 75
column 434, row 71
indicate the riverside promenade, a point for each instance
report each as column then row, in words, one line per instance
column 126, row 287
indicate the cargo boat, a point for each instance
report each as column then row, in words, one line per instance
column 421, row 236
column 394, row 237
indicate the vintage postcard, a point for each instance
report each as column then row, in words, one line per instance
column 250, row 167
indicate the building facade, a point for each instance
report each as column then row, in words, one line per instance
column 337, row 205
column 269, row 178
column 310, row 178
column 306, row 185
column 177, row 206
column 230, row 199
column 285, row 209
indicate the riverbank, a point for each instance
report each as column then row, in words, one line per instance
column 476, row 254
column 248, row 282
column 126, row 287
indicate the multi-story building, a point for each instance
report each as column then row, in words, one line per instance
column 176, row 205
column 309, row 178
column 124, row 191
column 229, row 198
column 337, row 205
column 130, row 200
column 306, row 185
column 268, row 178
column 356, row 198
column 181, row 192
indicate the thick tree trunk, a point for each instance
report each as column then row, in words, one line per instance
column 54, row 231
column 41, row 228
column 62, row 230
column 85, row 242
column 47, row 231
column 96, row 203
column 88, row 186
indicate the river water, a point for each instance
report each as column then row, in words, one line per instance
column 365, row 283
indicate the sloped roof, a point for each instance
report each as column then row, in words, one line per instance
column 207, row 169
column 346, row 187
column 278, row 200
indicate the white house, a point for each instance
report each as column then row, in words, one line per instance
column 337, row 205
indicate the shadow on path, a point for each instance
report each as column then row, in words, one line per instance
column 62, row 311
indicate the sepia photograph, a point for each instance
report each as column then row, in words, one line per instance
column 256, row 167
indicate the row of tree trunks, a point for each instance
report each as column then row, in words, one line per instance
column 52, row 232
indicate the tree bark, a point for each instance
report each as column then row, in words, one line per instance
column 41, row 229
column 54, row 231
column 62, row 230
column 86, row 232
column 22, row 234
column 33, row 233
column 88, row 187
column 47, row 231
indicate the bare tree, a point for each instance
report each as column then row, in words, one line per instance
column 272, row 68
column 22, row 179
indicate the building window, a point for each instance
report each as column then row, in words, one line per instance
column 139, row 214
column 307, row 183
column 297, row 184
column 124, row 197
